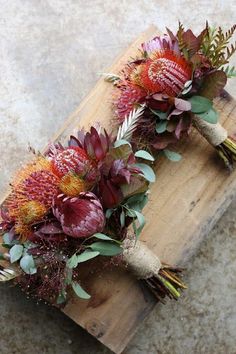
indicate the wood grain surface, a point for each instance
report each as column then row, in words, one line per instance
column 185, row 202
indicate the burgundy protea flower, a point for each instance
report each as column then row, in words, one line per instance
column 81, row 216
column 115, row 174
column 95, row 144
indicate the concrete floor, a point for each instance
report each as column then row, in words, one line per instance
column 51, row 52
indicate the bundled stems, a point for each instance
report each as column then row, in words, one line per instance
column 217, row 136
column 162, row 279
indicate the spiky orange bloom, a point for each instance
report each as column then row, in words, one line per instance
column 164, row 72
column 72, row 185
column 33, row 191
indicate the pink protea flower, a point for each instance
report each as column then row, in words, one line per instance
column 159, row 43
column 81, row 216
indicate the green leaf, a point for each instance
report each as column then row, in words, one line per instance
column 147, row 172
column 159, row 114
column 83, row 257
column 141, row 220
column 68, row 275
column 171, row 155
column 121, row 142
column 7, row 240
column 122, row 218
column 200, row 104
column 104, row 237
column 16, row 252
column 80, row 292
column 2, row 257
column 137, row 202
column 109, row 213
column 211, row 116
column 61, row 298
column 106, row 248
column 27, row 264
column 144, row 155
column 131, row 213
column 72, row 261
column 161, row 126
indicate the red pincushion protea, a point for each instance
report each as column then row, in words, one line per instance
column 81, row 216
column 164, row 72
column 73, row 159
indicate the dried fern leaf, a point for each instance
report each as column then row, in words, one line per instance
column 130, row 123
column 7, row 274
column 110, row 77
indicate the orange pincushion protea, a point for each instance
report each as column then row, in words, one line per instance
column 164, row 72
column 33, row 191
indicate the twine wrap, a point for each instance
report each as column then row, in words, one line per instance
column 215, row 134
column 140, row 259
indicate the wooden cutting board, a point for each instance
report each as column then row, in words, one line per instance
column 185, row 202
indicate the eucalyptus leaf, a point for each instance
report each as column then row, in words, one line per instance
column 161, row 126
column 61, row 298
column 141, row 220
column 200, row 104
column 137, row 202
column 147, row 172
column 16, row 252
column 101, row 236
column 131, row 213
column 144, row 155
column 159, row 114
column 171, row 155
column 83, row 257
column 72, row 261
column 121, row 142
column 7, row 239
column 122, row 219
column 211, row 116
column 27, row 264
column 109, row 213
column 68, row 275
column 106, row 248
column 79, row 291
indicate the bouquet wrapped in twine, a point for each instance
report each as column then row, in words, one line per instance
column 76, row 203
column 175, row 78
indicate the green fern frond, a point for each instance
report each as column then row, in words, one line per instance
column 130, row 123
column 180, row 33
column 216, row 47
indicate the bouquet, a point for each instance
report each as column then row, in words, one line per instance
column 74, row 204
column 170, row 87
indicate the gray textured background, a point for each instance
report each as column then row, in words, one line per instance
column 50, row 54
